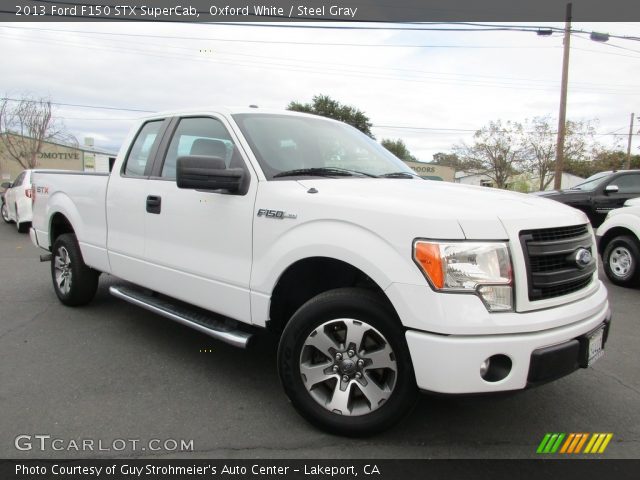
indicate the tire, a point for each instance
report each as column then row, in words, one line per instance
column 5, row 213
column 74, row 282
column 23, row 227
column 620, row 259
column 369, row 399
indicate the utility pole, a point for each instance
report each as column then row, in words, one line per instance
column 557, row 183
column 629, row 143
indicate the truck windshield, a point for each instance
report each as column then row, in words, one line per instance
column 288, row 146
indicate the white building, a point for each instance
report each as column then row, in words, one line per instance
column 524, row 182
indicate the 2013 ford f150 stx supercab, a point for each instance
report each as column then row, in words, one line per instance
column 378, row 282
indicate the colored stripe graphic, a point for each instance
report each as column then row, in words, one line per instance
column 598, row 443
column 543, row 443
column 550, row 443
column 582, row 441
column 574, row 442
column 567, row 443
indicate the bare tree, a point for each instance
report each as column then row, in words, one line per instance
column 497, row 151
column 539, row 143
column 26, row 125
column 540, row 150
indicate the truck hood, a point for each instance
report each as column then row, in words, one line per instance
column 477, row 212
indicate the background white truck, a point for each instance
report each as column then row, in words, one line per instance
column 379, row 283
column 619, row 244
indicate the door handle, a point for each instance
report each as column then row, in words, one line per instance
column 154, row 204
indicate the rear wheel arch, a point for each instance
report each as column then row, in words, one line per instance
column 59, row 225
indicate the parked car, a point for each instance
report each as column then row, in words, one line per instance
column 377, row 282
column 619, row 244
column 599, row 194
column 17, row 202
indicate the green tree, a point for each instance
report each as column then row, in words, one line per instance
column 452, row 160
column 602, row 161
column 496, row 152
column 399, row 149
column 325, row 106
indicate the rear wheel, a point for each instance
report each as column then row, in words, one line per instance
column 74, row 282
column 620, row 259
column 345, row 365
column 5, row 213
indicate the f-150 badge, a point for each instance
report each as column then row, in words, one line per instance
column 278, row 214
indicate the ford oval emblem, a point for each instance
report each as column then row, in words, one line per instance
column 582, row 257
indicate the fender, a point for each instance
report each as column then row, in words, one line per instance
column 92, row 242
column 630, row 221
column 360, row 247
column 59, row 202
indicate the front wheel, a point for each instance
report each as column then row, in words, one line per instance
column 620, row 259
column 74, row 282
column 345, row 365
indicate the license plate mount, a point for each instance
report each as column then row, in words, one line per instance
column 595, row 346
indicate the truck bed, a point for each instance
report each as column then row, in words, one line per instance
column 81, row 198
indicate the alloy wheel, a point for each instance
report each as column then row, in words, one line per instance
column 348, row 367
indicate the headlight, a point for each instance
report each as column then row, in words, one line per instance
column 480, row 268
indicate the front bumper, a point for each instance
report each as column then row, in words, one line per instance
column 450, row 364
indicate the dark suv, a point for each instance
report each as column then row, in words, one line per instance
column 599, row 193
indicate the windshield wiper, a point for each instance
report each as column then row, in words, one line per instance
column 399, row 175
column 321, row 172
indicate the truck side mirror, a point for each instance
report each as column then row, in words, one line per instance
column 203, row 172
column 611, row 189
column 6, row 185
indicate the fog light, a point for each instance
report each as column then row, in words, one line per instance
column 484, row 367
column 497, row 368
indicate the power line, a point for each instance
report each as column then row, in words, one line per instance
column 468, row 130
column 275, row 42
column 100, row 107
column 313, row 68
column 392, row 127
column 60, row 31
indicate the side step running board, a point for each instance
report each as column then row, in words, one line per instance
column 217, row 327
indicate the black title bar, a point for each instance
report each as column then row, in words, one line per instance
column 317, row 10
column 318, row 469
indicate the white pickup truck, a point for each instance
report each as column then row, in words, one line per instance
column 379, row 283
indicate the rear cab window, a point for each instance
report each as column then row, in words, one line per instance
column 144, row 145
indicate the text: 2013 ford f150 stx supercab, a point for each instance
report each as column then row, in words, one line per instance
column 378, row 282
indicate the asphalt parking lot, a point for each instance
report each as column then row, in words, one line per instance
column 114, row 371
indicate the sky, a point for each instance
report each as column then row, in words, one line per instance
column 432, row 89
